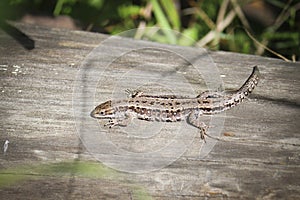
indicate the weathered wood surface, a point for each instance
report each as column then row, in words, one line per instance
column 259, row 158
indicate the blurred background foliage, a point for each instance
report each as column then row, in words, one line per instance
column 262, row 27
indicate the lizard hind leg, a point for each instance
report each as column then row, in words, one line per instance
column 194, row 120
column 133, row 93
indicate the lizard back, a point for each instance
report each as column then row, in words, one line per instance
column 171, row 108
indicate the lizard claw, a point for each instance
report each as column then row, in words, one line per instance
column 203, row 132
column 110, row 124
column 133, row 93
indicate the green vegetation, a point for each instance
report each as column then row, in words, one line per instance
column 63, row 169
column 252, row 27
column 92, row 170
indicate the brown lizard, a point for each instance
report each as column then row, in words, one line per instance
column 169, row 108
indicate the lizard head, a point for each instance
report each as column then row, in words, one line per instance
column 103, row 111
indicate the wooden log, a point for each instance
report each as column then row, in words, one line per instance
column 57, row 151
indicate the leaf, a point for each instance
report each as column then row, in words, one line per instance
column 96, row 3
column 128, row 11
column 189, row 36
column 170, row 8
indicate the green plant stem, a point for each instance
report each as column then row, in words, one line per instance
column 58, row 7
column 163, row 22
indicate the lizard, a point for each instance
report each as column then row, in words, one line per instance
column 171, row 108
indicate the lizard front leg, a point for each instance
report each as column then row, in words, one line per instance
column 123, row 120
column 194, row 120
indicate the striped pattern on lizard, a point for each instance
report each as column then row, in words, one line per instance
column 170, row 108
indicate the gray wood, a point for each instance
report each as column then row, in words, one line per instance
column 42, row 87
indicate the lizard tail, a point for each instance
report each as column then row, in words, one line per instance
column 250, row 83
column 247, row 87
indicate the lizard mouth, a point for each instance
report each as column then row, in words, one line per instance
column 97, row 115
column 92, row 114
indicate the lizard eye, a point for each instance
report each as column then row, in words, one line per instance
column 101, row 112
